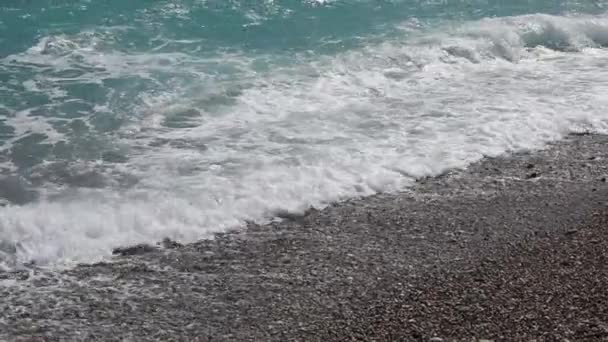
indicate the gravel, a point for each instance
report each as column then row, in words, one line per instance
column 489, row 253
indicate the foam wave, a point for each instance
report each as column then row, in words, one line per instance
column 283, row 135
column 513, row 38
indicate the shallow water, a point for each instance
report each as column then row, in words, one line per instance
column 127, row 122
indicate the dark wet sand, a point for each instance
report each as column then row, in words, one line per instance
column 511, row 249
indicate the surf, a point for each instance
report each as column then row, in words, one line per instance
column 119, row 145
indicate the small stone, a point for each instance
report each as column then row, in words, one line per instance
column 532, row 175
column 133, row 250
column 171, row 244
column 289, row 216
column 436, row 339
column 530, row 166
column 571, row 231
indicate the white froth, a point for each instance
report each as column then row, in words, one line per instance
column 24, row 124
column 330, row 128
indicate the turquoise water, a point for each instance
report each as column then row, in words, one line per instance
column 130, row 121
column 254, row 26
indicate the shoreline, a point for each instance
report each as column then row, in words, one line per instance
column 441, row 260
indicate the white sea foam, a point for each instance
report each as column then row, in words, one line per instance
column 323, row 129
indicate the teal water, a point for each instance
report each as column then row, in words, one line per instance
column 256, row 26
column 130, row 121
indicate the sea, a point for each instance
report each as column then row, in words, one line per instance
column 128, row 122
